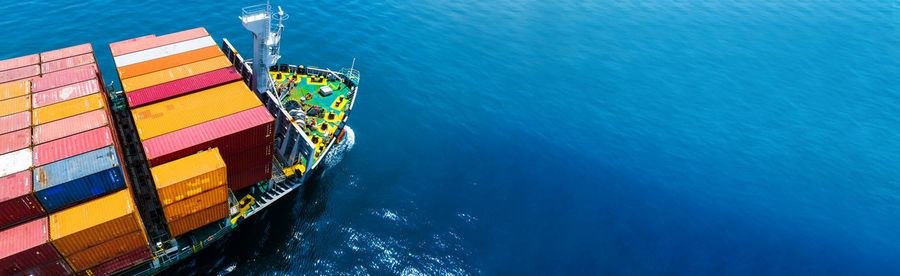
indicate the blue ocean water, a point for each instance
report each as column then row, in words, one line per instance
column 568, row 137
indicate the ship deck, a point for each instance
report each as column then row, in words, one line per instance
column 320, row 128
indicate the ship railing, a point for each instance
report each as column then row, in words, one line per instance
column 256, row 9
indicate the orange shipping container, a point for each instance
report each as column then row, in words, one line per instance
column 93, row 222
column 14, row 89
column 95, row 255
column 15, row 105
column 174, row 73
column 189, row 176
column 199, row 219
column 194, row 204
column 192, row 109
column 53, row 112
column 169, row 62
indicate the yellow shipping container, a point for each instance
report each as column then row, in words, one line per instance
column 15, row 89
column 189, row 176
column 93, row 222
column 95, row 255
column 15, row 105
column 199, row 219
column 53, row 112
column 174, row 73
column 192, row 109
column 194, row 204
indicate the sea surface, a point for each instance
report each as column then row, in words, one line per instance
column 566, row 137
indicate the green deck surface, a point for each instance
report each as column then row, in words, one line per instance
column 307, row 86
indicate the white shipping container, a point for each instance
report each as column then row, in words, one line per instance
column 14, row 162
column 164, row 51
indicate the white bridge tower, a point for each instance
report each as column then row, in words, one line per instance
column 266, row 28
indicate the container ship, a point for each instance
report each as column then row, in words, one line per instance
column 96, row 180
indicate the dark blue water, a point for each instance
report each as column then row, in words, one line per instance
column 569, row 137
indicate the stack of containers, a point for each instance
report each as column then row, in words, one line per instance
column 187, row 97
column 192, row 190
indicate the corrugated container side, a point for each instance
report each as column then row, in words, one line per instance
column 13, row 122
column 119, row 263
column 199, row 219
column 174, row 73
column 69, row 126
column 14, row 162
column 64, row 93
column 189, row 176
column 53, row 151
column 185, row 207
column 15, row 105
column 147, row 42
column 183, row 86
column 14, row 89
column 19, row 62
column 24, row 247
column 230, row 134
column 177, row 59
column 100, row 253
column 163, row 51
column 16, row 201
column 68, row 108
column 78, row 178
column 15, row 140
column 57, row 267
column 93, row 222
column 192, row 109
column 66, row 52
column 20, row 73
column 243, row 179
column 66, row 63
column 253, row 157
column 65, row 77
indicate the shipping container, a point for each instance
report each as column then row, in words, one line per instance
column 14, row 162
column 154, row 65
column 150, row 41
column 14, row 89
column 57, row 267
column 53, row 112
column 100, row 253
column 15, row 105
column 174, row 73
column 53, row 151
column 64, row 93
column 163, row 51
column 20, row 73
column 78, row 178
column 183, row 86
column 260, row 154
column 16, row 201
column 185, row 207
column 192, row 109
column 19, row 62
column 66, row 63
column 65, row 77
column 15, row 140
column 93, row 222
column 189, row 176
column 239, row 180
column 230, row 134
column 13, row 122
column 25, row 246
column 69, row 126
column 119, row 263
column 66, row 52
column 213, row 214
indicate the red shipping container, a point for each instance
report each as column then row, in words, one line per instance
column 183, row 86
column 69, row 126
column 19, row 62
column 243, row 179
column 66, row 63
column 25, row 246
column 64, row 93
column 58, row 267
column 53, row 151
column 66, row 52
column 231, row 134
column 253, row 157
column 144, row 43
column 20, row 73
column 16, row 121
column 65, row 77
column 116, row 264
column 15, row 140
column 17, row 203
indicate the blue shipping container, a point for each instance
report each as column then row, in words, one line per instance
column 78, row 178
